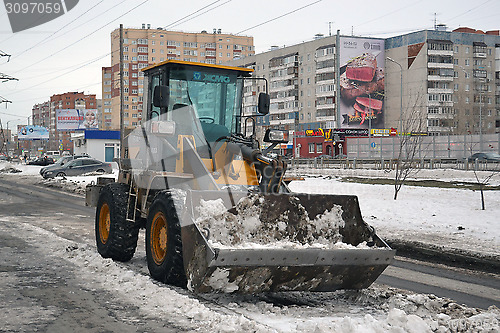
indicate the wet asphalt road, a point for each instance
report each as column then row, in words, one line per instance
column 45, row 294
column 40, row 293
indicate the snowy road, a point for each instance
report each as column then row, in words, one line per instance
column 53, row 279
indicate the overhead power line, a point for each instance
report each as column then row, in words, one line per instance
column 55, row 32
column 278, row 17
column 470, row 10
column 68, row 72
column 84, row 37
column 179, row 20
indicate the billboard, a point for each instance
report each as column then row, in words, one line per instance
column 32, row 133
column 361, row 68
column 76, row 119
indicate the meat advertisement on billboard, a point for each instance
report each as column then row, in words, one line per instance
column 76, row 119
column 362, row 62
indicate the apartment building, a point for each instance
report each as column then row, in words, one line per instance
column 40, row 114
column 450, row 80
column 146, row 46
column 301, row 83
column 60, row 139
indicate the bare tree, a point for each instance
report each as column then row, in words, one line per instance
column 482, row 179
column 410, row 145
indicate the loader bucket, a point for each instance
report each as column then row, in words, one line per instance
column 285, row 242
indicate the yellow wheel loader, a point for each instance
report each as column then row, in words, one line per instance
column 217, row 211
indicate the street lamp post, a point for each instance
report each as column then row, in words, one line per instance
column 401, row 93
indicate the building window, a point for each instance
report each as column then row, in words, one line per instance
column 319, row 147
column 311, row 148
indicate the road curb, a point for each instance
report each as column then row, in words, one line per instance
column 447, row 256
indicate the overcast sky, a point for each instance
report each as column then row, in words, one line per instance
column 67, row 54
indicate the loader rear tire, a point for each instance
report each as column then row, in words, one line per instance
column 164, row 243
column 116, row 238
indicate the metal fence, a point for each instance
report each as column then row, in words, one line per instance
column 389, row 164
column 456, row 147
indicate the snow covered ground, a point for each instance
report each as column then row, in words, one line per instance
column 450, row 218
column 447, row 217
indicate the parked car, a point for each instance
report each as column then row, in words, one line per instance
column 485, row 157
column 63, row 160
column 43, row 161
column 3, row 158
column 78, row 167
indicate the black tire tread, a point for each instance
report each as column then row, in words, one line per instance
column 123, row 235
column 172, row 270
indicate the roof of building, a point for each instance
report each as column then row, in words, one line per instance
column 102, row 135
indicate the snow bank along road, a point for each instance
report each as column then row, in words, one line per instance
column 53, row 280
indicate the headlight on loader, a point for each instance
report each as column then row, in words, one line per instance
column 276, row 136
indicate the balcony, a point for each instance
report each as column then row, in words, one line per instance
column 439, row 78
column 440, row 52
column 325, row 94
column 325, row 70
column 479, row 55
column 283, row 99
column 325, row 106
column 438, row 129
column 326, row 118
column 439, row 91
column 439, row 65
column 281, row 111
column 440, row 116
column 284, row 77
column 281, row 121
column 438, row 103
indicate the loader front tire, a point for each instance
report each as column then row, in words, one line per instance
column 116, row 238
column 164, row 243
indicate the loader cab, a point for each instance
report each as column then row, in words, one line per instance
column 196, row 97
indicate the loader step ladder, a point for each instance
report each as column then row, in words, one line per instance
column 131, row 193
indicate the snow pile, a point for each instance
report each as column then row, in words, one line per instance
column 23, row 168
column 10, row 169
column 249, row 225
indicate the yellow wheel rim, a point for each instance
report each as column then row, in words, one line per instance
column 104, row 223
column 159, row 238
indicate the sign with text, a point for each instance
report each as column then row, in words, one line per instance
column 33, row 133
column 76, row 119
column 24, row 14
column 361, row 102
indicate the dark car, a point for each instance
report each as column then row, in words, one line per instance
column 60, row 162
column 78, row 167
column 485, row 157
column 43, row 161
